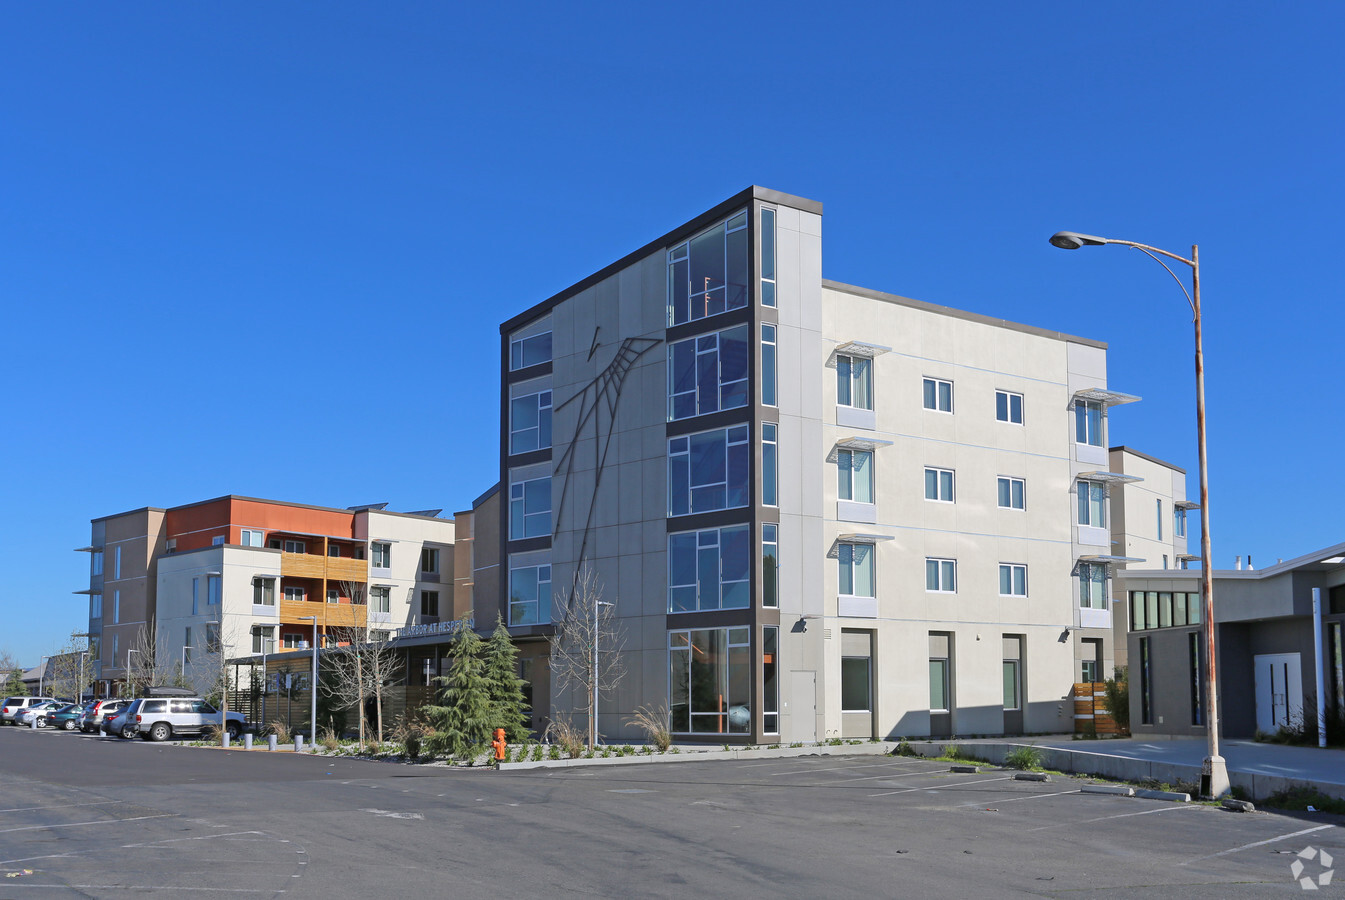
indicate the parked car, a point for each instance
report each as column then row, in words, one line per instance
column 122, row 721
column 66, row 718
column 38, row 711
column 95, row 710
column 12, row 705
column 160, row 718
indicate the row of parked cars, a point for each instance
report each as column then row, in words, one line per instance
column 156, row 718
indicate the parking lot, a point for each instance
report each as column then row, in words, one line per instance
column 103, row 817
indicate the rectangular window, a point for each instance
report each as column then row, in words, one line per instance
column 1011, row 685
column 770, row 679
column 115, row 641
column 1088, row 670
column 293, row 640
column 217, row 541
column 380, row 555
column 938, row 395
column 1009, row 407
column 1193, row 657
column 770, row 455
column 530, row 509
column 334, row 550
column 212, row 590
column 941, row 575
column 116, row 606
column 1088, row 422
column 1012, row 493
column 1137, row 617
column 1194, row 608
column 1335, row 661
column 530, row 422
column 767, row 257
column 251, row 537
column 196, row 596
column 1146, row 684
column 854, row 474
column 95, row 606
column 295, row 547
column 768, row 365
column 856, row 684
column 707, row 275
column 294, row 594
column 1164, row 609
column 1092, row 586
column 856, row 570
column 939, row 485
column 1092, row 504
column 854, row 381
column 333, row 595
column 939, row 685
column 530, row 351
column 380, row 599
column 708, row 471
column 530, row 595
column 770, row 566
column 709, row 569
column 1159, row 520
column 212, row 639
column 1179, row 522
column 116, row 564
column 707, row 373
column 264, row 639
column 263, row 592
column 429, row 560
column 429, row 603
column 96, row 562
column 1012, row 580
column 710, row 675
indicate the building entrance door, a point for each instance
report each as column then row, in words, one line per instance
column 1279, row 690
column 802, row 707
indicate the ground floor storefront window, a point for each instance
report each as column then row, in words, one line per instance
column 710, row 681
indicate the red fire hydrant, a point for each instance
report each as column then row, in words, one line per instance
column 499, row 744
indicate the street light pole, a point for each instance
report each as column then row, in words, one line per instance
column 313, row 689
column 185, row 648
column 1214, row 773
column 42, row 674
column 593, row 720
column 129, row 682
column 260, row 630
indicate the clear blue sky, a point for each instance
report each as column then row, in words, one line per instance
column 223, row 226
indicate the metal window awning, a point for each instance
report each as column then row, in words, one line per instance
column 862, row 348
column 1186, row 504
column 1108, row 477
column 87, row 549
column 859, row 538
column 861, row 443
column 1188, row 557
column 1105, row 397
column 86, row 591
column 1108, row 560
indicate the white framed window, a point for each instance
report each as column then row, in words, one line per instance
column 334, row 550
column 530, row 422
column 1093, row 504
column 530, row 351
column 938, row 395
column 251, row 537
column 709, row 471
column 380, row 555
column 767, row 256
column 294, row 594
column 768, row 360
column 1009, row 407
column 530, row 508
column 707, row 275
column 96, row 562
column 212, row 590
column 707, row 373
column 1012, row 492
column 1012, row 580
column 291, row 546
column 1092, row 586
column 1179, row 523
column 294, row 640
column 770, row 458
column 263, row 591
column 710, row 569
column 856, row 570
column 941, row 575
column 429, row 560
column 1088, row 422
column 263, row 639
column 530, row 595
column 770, row 565
column 854, row 381
column 854, row 475
column 333, row 595
column 939, row 484
column 380, row 599
column 770, row 679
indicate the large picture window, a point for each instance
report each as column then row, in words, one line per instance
column 707, row 373
column 530, row 508
column 707, row 275
column 530, row 422
column 708, row 471
column 1093, row 586
column 709, row 569
column 530, row 595
column 710, row 674
column 770, row 680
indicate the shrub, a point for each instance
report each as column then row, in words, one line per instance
column 904, row 748
column 1300, row 798
column 1027, row 758
column 537, row 752
column 329, row 741
column 411, row 733
column 553, row 752
column 565, row 736
column 281, row 731
column 1118, row 698
column 653, row 721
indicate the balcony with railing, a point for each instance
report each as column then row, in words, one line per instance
column 330, row 615
column 332, row 568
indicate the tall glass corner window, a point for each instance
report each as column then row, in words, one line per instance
column 530, row 422
column 770, row 459
column 530, row 508
column 768, row 257
column 530, row 351
column 768, row 363
column 709, row 684
column 707, row 373
column 709, row 569
column 770, row 679
column 709, row 471
column 707, row 275
column 530, row 595
column 770, row 565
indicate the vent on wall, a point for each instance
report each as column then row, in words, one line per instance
column 826, row 634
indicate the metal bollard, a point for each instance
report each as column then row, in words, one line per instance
column 247, row 741
column 270, row 742
column 298, row 743
column 34, row 725
column 226, row 740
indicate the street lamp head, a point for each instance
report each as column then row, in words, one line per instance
column 1072, row 240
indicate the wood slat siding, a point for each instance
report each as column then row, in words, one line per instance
column 312, row 565
column 337, row 615
column 1090, row 709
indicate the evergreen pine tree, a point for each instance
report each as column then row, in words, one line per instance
column 508, row 705
column 15, row 683
column 461, row 723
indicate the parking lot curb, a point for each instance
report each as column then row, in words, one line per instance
column 1115, row 789
column 1174, row 796
column 1031, row 776
column 880, row 748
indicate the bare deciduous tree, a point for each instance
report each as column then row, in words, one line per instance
column 70, row 672
column 360, row 671
column 586, row 650
column 148, row 661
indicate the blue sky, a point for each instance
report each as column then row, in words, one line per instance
column 223, row 226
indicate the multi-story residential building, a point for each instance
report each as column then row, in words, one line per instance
column 238, row 575
column 819, row 509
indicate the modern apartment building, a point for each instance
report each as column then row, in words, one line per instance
column 821, row 510
column 237, row 575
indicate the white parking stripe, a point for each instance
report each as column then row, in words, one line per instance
column 938, row 787
column 1283, row 837
column 60, row 806
column 1147, row 812
column 76, row 824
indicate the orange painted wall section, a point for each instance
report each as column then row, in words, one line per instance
column 195, row 526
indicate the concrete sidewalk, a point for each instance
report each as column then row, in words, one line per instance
column 1259, row 769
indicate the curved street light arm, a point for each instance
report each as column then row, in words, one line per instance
column 1147, row 252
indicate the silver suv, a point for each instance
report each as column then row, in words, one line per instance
column 13, row 705
column 160, row 718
